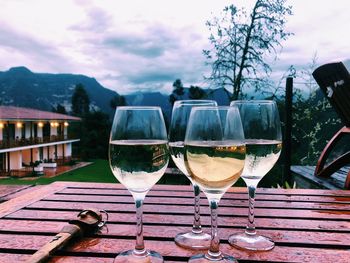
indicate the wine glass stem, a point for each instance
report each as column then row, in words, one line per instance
column 214, row 249
column 197, row 228
column 250, row 230
column 140, row 246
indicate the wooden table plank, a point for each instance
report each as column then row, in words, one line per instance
column 6, row 191
column 11, row 258
column 180, row 209
column 189, row 201
column 168, row 232
column 188, row 188
column 28, row 198
column 242, row 195
column 109, row 247
column 184, row 220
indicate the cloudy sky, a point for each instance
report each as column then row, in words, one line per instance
column 145, row 45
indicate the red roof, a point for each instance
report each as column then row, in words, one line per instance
column 17, row 113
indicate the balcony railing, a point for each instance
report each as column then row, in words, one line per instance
column 13, row 143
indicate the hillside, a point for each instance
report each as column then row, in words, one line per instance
column 21, row 87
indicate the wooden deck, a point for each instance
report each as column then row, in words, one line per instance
column 307, row 225
column 304, row 176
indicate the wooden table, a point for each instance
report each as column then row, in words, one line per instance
column 307, row 225
column 10, row 191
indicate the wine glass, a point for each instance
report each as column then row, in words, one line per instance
column 263, row 138
column 196, row 238
column 214, row 157
column 138, row 156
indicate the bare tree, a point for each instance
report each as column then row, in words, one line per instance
column 241, row 43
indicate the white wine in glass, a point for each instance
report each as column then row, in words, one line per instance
column 196, row 238
column 138, row 164
column 138, row 157
column 214, row 157
column 263, row 138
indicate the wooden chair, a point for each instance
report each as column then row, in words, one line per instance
column 334, row 81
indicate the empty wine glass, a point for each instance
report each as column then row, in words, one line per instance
column 214, row 157
column 262, row 131
column 138, row 156
column 196, row 238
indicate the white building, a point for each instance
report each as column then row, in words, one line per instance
column 29, row 135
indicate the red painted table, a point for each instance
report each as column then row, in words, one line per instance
column 307, row 225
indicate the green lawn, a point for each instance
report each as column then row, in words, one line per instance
column 98, row 171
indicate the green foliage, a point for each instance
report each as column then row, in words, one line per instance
column 116, row 101
column 286, row 185
column 59, row 109
column 71, row 162
column 94, row 140
column 35, row 164
column 314, row 119
column 178, row 87
column 196, row 93
column 314, row 123
column 242, row 41
column 80, row 101
column 94, row 129
column 178, row 91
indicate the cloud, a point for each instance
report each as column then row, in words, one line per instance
column 28, row 49
column 151, row 77
column 139, row 55
column 150, row 57
column 140, row 45
column 151, row 43
column 135, row 45
column 97, row 20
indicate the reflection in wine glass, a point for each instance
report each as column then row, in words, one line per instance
column 262, row 131
column 195, row 239
column 214, row 157
column 138, row 157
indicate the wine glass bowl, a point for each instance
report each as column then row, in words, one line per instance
column 138, row 157
column 214, row 157
column 196, row 238
column 263, row 138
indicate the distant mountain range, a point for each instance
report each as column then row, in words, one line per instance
column 21, row 87
column 221, row 96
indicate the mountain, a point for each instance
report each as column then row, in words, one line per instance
column 221, row 96
column 150, row 99
column 21, row 87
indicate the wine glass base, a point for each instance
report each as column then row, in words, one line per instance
column 251, row 242
column 130, row 257
column 191, row 240
column 202, row 258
